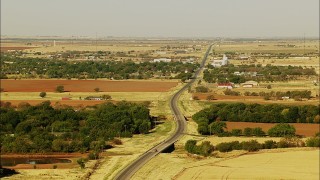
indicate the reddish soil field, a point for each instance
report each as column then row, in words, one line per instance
column 73, row 103
column 3, row 49
column 86, row 85
column 301, row 128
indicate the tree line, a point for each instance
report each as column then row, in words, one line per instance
column 264, row 73
column 206, row 148
column 42, row 128
column 240, row 112
column 47, row 68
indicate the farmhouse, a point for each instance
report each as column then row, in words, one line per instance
column 65, row 98
column 225, row 85
column 162, row 60
column 247, row 85
column 180, row 51
column 94, row 98
column 254, row 83
column 219, row 63
column 243, row 57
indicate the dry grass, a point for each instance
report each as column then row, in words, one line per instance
column 266, row 164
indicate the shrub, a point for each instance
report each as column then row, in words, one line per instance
column 93, row 155
column 202, row 89
column 251, row 146
column 205, row 148
column 43, row 94
column 236, row 132
column 195, row 98
column 313, row 142
column 228, row 146
column 258, row 132
column 81, row 163
column 190, row 146
column 60, row 89
column 203, row 128
column 290, row 142
column 225, row 134
column 269, row 144
column 217, row 127
column 117, row 141
column 210, row 97
column 54, row 166
column 281, row 130
column 247, row 132
column 106, row 97
column 224, row 147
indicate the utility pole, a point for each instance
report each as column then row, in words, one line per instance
column 304, row 44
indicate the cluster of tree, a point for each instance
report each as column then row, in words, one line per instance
column 296, row 95
column 269, row 113
column 94, row 69
column 254, row 145
column 42, row 128
column 202, row 89
column 313, row 142
column 204, row 149
column 258, row 132
column 229, row 92
column 264, row 73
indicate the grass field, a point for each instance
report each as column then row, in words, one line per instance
column 265, row 164
column 268, row 46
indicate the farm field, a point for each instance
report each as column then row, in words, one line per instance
column 268, row 46
column 86, row 85
column 251, row 99
column 179, row 165
column 301, row 128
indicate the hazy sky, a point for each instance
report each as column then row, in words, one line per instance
column 167, row 18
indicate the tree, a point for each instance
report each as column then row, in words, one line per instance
column 281, row 130
column 144, row 127
column 236, row 132
column 60, row 89
column 258, row 132
column 43, row 94
column 106, row 97
column 202, row 89
column 96, row 89
column 251, row 145
column 269, row 86
column 247, row 131
column 190, row 146
column 205, row 148
column 81, row 163
column 217, row 127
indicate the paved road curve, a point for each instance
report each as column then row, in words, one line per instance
column 127, row 172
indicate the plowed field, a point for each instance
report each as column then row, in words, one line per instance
column 86, row 85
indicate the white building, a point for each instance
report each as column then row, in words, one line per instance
column 219, row 63
column 162, row 60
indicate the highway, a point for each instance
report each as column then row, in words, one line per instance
column 181, row 125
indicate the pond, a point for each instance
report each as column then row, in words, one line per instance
column 15, row 161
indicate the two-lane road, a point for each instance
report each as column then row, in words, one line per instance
column 181, row 125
